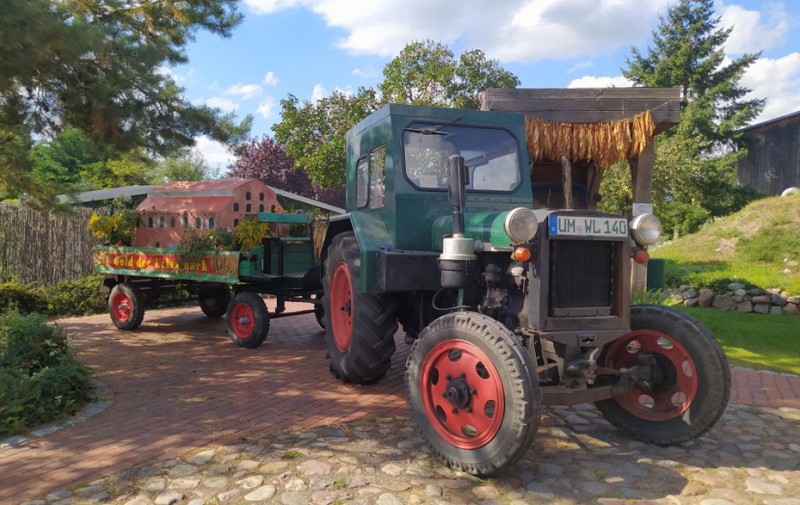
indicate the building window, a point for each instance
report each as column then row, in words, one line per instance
column 362, row 182
column 273, row 209
column 138, row 223
column 261, row 208
column 198, row 222
column 172, row 222
column 236, row 222
column 247, row 196
column 236, row 207
column 185, row 221
column 377, row 177
column 150, row 222
column 212, row 223
column 158, row 244
column 261, row 196
column 162, row 222
column 249, row 208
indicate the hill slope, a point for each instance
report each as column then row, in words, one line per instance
column 758, row 246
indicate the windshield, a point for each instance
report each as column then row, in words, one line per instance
column 490, row 154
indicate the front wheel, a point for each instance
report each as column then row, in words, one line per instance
column 692, row 380
column 247, row 320
column 473, row 392
column 126, row 306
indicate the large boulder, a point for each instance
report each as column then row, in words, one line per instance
column 744, row 306
column 761, row 308
column 706, row 298
column 779, row 300
column 689, row 293
column 724, row 302
column 733, row 286
column 690, row 302
column 740, row 292
column 791, row 309
column 755, row 291
column 762, row 299
column 775, row 311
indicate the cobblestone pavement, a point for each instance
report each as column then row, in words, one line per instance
column 750, row 457
column 180, row 386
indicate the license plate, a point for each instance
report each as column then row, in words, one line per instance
column 579, row 226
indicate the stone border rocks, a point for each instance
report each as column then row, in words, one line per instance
column 738, row 299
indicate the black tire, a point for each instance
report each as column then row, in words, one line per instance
column 319, row 313
column 368, row 354
column 130, row 300
column 252, row 333
column 516, row 372
column 214, row 301
column 713, row 380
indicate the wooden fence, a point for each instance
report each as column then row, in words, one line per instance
column 38, row 247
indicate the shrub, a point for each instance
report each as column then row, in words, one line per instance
column 79, row 297
column 40, row 379
column 22, row 297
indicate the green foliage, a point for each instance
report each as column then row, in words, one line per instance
column 22, row 297
column 185, row 165
column 651, row 297
column 40, row 379
column 426, row 73
column 314, row 132
column 251, row 233
column 99, row 66
column 78, row 297
column 292, row 455
column 771, row 245
column 116, row 228
column 64, row 159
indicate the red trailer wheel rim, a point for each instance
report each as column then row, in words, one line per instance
column 122, row 307
column 464, row 421
column 242, row 320
column 678, row 387
column 342, row 307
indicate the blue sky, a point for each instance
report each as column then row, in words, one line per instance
column 311, row 47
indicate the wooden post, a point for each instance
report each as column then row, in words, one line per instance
column 641, row 180
column 566, row 172
column 596, row 177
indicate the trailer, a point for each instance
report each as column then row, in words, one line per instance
column 225, row 283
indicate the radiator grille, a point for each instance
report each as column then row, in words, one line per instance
column 581, row 273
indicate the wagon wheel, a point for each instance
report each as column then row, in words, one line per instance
column 691, row 381
column 247, row 320
column 126, row 306
column 214, row 300
column 473, row 392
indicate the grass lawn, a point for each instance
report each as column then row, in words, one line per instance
column 755, row 340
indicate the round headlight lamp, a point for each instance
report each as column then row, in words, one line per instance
column 646, row 229
column 520, row 225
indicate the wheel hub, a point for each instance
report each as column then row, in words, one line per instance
column 458, row 393
column 341, row 298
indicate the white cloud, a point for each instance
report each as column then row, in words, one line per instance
column 511, row 30
column 580, row 66
column 754, row 30
column 370, row 72
column 215, row 153
column 245, row 91
column 318, row 93
column 591, row 81
column 267, row 107
column 222, row 103
column 179, row 78
column 270, row 79
column 777, row 80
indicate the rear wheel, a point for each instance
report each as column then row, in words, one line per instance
column 359, row 327
column 473, row 392
column 319, row 312
column 691, row 385
column 214, row 301
column 126, row 306
column 247, row 320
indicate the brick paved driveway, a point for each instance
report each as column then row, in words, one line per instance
column 180, row 384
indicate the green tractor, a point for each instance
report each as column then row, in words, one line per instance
column 508, row 306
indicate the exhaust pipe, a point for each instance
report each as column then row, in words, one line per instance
column 458, row 252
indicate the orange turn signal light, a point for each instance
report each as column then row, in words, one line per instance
column 641, row 256
column 521, row 254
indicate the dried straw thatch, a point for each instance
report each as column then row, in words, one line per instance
column 603, row 143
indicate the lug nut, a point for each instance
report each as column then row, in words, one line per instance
column 469, row 409
column 448, row 377
column 455, row 411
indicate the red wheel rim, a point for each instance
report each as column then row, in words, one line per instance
column 122, row 307
column 342, row 307
column 242, row 320
column 678, row 387
column 464, row 421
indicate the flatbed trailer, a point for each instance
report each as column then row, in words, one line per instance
column 226, row 283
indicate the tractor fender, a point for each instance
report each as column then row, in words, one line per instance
column 336, row 225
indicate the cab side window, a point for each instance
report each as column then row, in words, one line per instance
column 377, row 177
column 362, row 182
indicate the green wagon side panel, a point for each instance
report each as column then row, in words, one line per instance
column 211, row 266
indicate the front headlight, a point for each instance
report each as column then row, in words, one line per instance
column 646, row 229
column 520, row 225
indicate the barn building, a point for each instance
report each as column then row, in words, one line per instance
column 772, row 163
column 169, row 211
